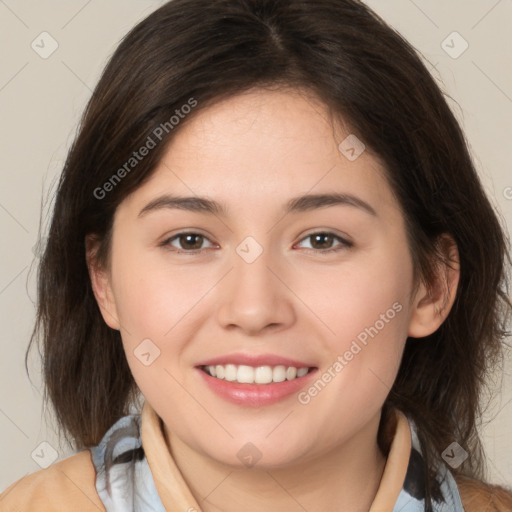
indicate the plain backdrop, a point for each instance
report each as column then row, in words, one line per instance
column 42, row 97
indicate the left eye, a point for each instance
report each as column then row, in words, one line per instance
column 325, row 238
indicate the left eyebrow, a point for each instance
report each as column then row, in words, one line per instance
column 297, row 204
column 313, row 201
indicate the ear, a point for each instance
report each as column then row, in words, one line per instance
column 101, row 284
column 431, row 305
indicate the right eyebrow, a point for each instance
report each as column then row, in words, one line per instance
column 192, row 204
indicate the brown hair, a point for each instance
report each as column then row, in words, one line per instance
column 370, row 78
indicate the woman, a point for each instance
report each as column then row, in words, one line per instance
column 269, row 227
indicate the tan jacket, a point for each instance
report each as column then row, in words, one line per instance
column 69, row 485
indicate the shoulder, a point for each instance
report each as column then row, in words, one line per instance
column 65, row 485
column 477, row 496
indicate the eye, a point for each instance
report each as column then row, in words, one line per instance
column 322, row 242
column 187, row 242
column 190, row 242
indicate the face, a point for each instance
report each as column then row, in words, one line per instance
column 255, row 284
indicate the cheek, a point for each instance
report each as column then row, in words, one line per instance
column 370, row 325
column 362, row 296
column 149, row 297
column 158, row 307
column 365, row 309
column 140, row 306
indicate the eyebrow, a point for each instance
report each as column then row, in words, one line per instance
column 302, row 203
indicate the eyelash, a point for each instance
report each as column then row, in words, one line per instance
column 345, row 244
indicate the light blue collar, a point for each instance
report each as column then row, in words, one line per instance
column 125, row 484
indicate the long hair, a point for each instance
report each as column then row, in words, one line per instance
column 368, row 76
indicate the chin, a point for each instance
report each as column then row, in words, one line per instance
column 258, row 454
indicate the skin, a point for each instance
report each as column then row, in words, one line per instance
column 254, row 152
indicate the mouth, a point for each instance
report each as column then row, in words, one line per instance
column 255, row 380
column 245, row 374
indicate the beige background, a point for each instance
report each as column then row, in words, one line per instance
column 41, row 101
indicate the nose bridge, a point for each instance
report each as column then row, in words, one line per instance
column 255, row 297
column 253, row 282
column 252, row 266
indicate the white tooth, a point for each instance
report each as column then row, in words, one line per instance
column 279, row 374
column 245, row 374
column 219, row 371
column 291, row 373
column 302, row 371
column 263, row 375
column 260, row 375
column 230, row 373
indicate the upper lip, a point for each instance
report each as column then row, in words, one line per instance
column 255, row 360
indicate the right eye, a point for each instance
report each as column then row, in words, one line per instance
column 189, row 242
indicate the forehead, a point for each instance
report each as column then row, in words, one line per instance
column 263, row 147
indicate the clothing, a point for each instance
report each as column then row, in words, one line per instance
column 131, row 469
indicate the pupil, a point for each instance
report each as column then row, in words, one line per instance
column 320, row 236
column 188, row 239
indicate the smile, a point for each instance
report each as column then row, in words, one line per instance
column 244, row 374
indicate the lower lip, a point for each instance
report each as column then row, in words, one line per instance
column 255, row 395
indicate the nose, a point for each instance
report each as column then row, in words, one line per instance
column 254, row 297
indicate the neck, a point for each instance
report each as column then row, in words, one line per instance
column 348, row 475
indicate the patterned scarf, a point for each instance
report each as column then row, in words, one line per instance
column 125, row 484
